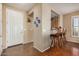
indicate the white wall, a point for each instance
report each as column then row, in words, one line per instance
column 0, row 28
column 27, row 30
column 46, row 26
column 38, row 40
column 38, row 30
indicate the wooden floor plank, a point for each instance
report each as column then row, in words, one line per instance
column 70, row 49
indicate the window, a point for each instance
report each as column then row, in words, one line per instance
column 75, row 26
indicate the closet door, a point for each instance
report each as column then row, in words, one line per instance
column 14, row 27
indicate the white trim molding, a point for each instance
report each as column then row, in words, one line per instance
column 40, row 49
column 72, row 26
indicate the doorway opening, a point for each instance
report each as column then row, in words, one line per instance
column 54, row 19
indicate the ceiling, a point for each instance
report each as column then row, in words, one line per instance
column 22, row 6
column 65, row 8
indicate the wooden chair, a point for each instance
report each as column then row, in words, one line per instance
column 54, row 39
column 58, row 39
column 62, row 39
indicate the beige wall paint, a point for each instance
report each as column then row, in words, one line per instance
column 3, row 26
column 26, row 40
column 0, row 28
column 30, row 32
column 67, row 24
column 27, row 30
column 61, row 20
column 30, row 29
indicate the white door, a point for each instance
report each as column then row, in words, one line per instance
column 14, row 27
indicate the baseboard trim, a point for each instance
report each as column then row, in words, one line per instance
column 27, row 42
column 73, row 42
column 46, row 49
column 40, row 49
column 14, row 45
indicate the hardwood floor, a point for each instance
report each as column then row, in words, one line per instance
column 70, row 49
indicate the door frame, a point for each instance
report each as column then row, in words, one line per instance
column 7, row 7
column 57, row 16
